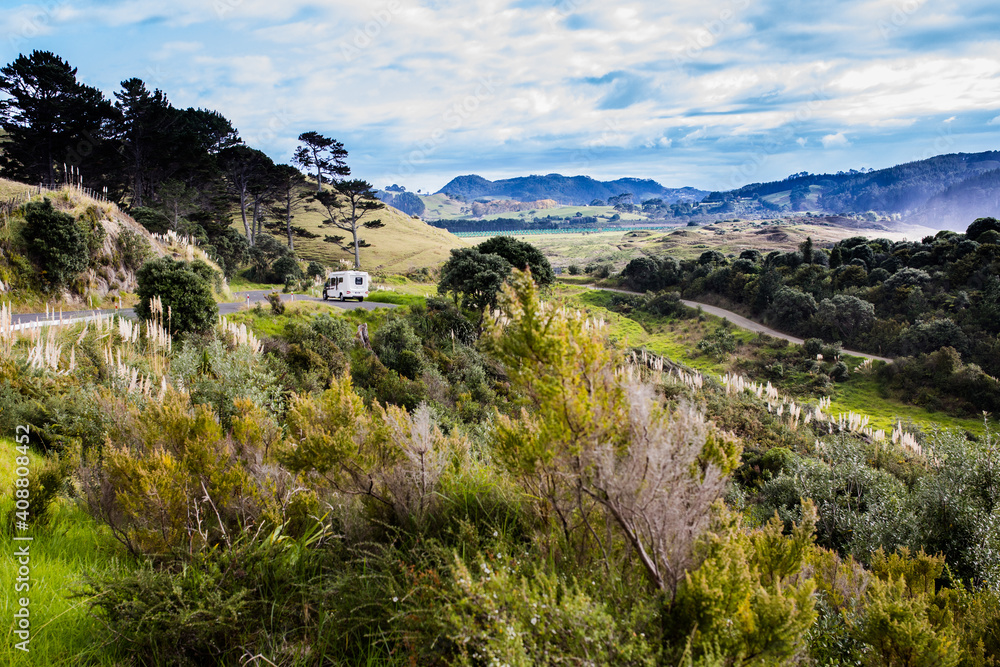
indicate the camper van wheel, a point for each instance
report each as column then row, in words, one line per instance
column 326, row 297
column 342, row 298
column 360, row 299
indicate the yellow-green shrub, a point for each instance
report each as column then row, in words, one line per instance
column 178, row 482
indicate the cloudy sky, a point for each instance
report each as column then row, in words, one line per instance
column 707, row 93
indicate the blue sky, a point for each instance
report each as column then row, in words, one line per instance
column 707, row 93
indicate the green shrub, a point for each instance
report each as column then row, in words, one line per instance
column 277, row 305
column 316, row 270
column 56, row 242
column 500, row 616
column 399, row 348
column 186, row 293
column 133, row 249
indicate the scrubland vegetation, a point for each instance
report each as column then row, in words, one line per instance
column 530, row 494
column 931, row 304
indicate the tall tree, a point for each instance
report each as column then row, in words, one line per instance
column 345, row 206
column 142, row 131
column 322, row 155
column 46, row 115
column 246, row 169
column 290, row 197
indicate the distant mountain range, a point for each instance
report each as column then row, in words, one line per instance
column 943, row 191
column 566, row 190
column 946, row 191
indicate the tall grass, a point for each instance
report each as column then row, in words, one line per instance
column 63, row 551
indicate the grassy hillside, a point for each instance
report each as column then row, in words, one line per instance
column 404, row 243
column 108, row 279
column 442, row 206
column 678, row 340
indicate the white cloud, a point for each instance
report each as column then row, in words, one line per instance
column 994, row 121
column 733, row 74
column 837, row 140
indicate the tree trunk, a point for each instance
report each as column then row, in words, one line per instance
column 243, row 215
column 319, row 171
column 288, row 221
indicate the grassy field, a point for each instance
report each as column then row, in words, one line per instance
column 620, row 247
column 62, row 552
column 10, row 189
column 441, row 206
column 602, row 212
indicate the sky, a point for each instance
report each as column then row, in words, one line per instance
column 712, row 94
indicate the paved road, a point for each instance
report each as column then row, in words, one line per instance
column 257, row 296
column 744, row 323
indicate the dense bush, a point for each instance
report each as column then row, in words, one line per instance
column 186, row 294
column 56, row 242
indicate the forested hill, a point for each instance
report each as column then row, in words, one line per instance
column 569, row 190
column 942, row 191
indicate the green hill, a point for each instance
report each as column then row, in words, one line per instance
column 404, row 243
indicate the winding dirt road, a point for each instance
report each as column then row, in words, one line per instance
column 745, row 323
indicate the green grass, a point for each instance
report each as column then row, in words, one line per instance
column 861, row 394
column 264, row 323
column 62, row 552
column 397, row 298
column 240, row 283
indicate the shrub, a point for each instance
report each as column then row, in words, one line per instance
column 133, row 249
column 718, row 344
column 398, row 348
column 748, row 599
column 153, row 220
column 171, row 480
column 277, row 305
column 573, row 270
column 284, row 268
column 497, row 616
column 56, row 242
column 315, row 270
column 186, row 293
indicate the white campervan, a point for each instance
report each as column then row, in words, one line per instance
column 346, row 285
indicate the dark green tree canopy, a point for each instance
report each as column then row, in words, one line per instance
column 323, row 156
column 187, row 295
column 475, row 277
column 47, row 115
column 520, row 255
